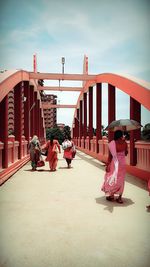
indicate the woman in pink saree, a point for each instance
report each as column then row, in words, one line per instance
column 53, row 147
column 115, row 168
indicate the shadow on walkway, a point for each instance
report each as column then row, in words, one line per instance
column 129, row 178
column 92, row 161
column 110, row 205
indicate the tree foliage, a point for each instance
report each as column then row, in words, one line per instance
column 66, row 131
column 146, row 132
column 57, row 133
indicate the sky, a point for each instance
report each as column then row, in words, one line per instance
column 114, row 34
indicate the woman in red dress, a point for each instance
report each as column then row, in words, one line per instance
column 53, row 147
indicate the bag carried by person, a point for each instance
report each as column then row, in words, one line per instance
column 73, row 151
column 66, row 144
column 41, row 162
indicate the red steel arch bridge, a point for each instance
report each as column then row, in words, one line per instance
column 23, row 84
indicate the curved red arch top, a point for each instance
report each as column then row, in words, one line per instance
column 9, row 79
column 137, row 89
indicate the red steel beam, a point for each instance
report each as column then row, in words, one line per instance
column 58, row 76
column 47, row 105
column 57, row 88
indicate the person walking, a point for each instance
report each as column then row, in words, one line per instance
column 35, row 150
column 115, row 168
column 53, row 148
column 69, row 150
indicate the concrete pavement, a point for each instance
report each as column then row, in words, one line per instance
column 61, row 219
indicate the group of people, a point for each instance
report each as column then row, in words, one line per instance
column 51, row 150
column 114, row 178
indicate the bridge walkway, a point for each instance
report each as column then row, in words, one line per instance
column 61, row 219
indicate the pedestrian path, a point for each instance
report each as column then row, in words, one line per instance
column 61, row 219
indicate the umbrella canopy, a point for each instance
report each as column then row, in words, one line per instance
column 124, row 125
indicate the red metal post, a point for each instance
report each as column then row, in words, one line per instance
column 32, row 118
column 26, row 110
column 77, row 123
column 111, row 108
column 38, row 126
column 4, row 130
column 98, row 114
column 90, row 115
column 85, row 116
column 36, row 115
column 81, row 126
column 135, row 114
column 18, row 121
column 40, row 123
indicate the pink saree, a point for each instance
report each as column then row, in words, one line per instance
column 114, row 179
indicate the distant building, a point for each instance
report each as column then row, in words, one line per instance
column 11, row 112
column 50, row 114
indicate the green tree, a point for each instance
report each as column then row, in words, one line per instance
column 66, row 131
column 145, row 134
column 55, row 132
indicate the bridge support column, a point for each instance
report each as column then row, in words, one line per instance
column 76, row 132
column 85, row 117
column 36, row 115
column 98, row 114
column 26, row 111
column 77, row 124
column 32, row 118
column 90, row 115
column 4, row 130
column 40, row 124
column 111, row 108
column 81, row 117
column 135, row 114
column 18, row 121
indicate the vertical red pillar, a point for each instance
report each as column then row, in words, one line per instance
column 81, row 126
column 38, row 121
column 36, row 115
column 98, row 114
column 77, row 122
column 135, row 114
column 31, row 112
column 4, row 130
column 111, row 108
column 85, row 116
column 26, row 110
column 90, row 114
column 75, row 131
column 18, row 105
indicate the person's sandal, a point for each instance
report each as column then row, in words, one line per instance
column 110, row 198
column 119, row 200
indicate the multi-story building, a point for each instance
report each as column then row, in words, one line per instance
column 50, row 114
column 11, row 112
